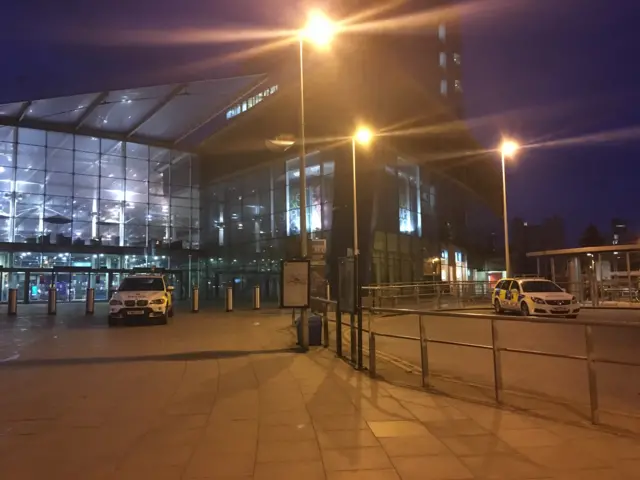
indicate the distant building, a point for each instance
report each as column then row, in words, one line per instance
column 526, row 237
column 620, row 232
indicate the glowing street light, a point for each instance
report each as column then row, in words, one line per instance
column 507, row 149
column 318, row 31
column 363, row 136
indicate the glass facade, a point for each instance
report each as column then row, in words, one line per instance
column 253, row 218
column 250, row 217
column 65, row 189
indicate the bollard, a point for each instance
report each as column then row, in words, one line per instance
column 228, row 300
column 12, row 307
column 51, row 303
column 195, row 299
column 91, row 301
column 328, row 291
column 256, row 297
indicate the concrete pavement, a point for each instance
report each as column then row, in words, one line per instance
column 223, row 396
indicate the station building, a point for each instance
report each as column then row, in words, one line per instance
column 191, row 177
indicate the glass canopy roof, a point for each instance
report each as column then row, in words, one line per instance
column 174, row 116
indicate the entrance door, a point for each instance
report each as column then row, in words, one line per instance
column 38, row 287
column 101, row 285
column 63, row 287
column 15, row 280
column 78, row 286
column 116, row 279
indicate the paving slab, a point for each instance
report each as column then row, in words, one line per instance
column 214, row 396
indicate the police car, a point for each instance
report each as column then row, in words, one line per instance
column 141, row 297
column 533, row 296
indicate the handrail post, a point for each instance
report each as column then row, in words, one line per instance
column 325, row 325
column 338, row 330
column 417, row 294
column 497, row 365
column 424, row 354
column 352, row 338
column 591, row 372
column 372, row 354
column 438, row 296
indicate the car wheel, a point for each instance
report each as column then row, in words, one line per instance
column 572, row 316
column 170, row 312
column 496, row 306
column 163, row 320
column 524, row 309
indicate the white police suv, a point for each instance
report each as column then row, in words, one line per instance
column 141, row 297
column 533, row 296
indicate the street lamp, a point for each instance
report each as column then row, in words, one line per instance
column 319, row 31
column 507, row 150
column 363, row 136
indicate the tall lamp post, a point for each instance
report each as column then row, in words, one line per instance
column 507, row 150
column 363, row 136
column 319, row 31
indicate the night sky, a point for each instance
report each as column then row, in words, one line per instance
column 561, row 76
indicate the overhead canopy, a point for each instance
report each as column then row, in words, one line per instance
column 172, row 116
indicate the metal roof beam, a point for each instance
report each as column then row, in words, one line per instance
column 90, row 108
column 224, row 109
column 88, row 131
column 163, row 103
column 23, row 110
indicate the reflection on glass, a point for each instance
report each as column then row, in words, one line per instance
column 97, row 191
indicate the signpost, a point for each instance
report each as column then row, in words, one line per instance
column 295, row 284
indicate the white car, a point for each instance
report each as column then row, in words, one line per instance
column 534, row 296
column 141, row 297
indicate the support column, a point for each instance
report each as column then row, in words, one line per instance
column 628, row 258
column 552, row 262
column 538, row 265
column 599, row 281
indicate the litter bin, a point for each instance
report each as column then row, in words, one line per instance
column 315, row 330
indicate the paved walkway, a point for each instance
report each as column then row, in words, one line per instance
column 222, row 397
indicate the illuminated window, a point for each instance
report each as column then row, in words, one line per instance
column 442, row 32
column 443, row 59
column 458, row 85
column 443, row 87
column 457, row 59
column 250, row 102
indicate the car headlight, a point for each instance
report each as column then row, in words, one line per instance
column 574, row 300
column 115, row 302
column 157, row 301
column 538, row 300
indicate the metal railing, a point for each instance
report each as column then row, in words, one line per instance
column 495, row 347
column 431, row 294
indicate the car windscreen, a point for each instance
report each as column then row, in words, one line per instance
column 541, row 287
column 141, row 284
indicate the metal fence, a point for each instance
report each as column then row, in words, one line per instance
column 608, row 293
column 618, row 293
column 377, row 344
column 434, row 295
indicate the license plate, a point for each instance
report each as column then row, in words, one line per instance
column 135, row 312
column 560, row 310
